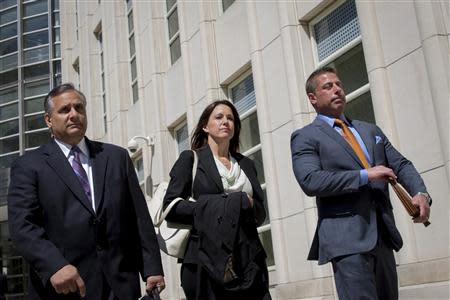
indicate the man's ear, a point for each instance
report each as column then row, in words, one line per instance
column 48, row 120
column 312, row 99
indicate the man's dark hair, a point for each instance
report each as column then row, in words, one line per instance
column 56, row 91
column 311, row 85
column 200, row 138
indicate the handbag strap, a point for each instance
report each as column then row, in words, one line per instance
column 163, row 214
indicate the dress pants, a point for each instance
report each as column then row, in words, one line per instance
column 371, row 275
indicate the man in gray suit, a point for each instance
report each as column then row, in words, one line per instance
column 345, row 164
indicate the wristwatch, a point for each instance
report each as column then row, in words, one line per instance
column 427, row 196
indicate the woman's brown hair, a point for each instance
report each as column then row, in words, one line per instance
column 200, row 138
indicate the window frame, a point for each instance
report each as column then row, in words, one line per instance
column 338, row 53
column 176, row 35
column 255, row 148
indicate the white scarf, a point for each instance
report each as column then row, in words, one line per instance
column 233, row 180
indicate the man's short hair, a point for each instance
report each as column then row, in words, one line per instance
column 58, row 90
column 311, row 85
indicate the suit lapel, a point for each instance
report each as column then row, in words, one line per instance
column 99, row 162
column 59, row 163
column 333, row 134
column 367, row 138
column 207, row 163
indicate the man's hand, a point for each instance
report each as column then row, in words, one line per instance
column 67, row 280
column 380, row 173
column 420, row 201
column 155, row 282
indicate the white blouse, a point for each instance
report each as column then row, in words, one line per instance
column 233, row 180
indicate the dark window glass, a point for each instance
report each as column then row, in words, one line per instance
column 35, row 39
column 7, row 3
column 57, row 66
column 35, row 71
column 8, row 46
column 249, row 132
column 257, row 159
column 9, row 128
column 8, row 62
column 361, row 108
column 35, row 7
column 9, row 111
column 226, row 4
column 135, row 92
column 37, row 88
column 9, row 144
column 8, row 15
column 34, row 122
column 129, row 4
column 175, row 50
column 132, row 46
column 172, row 21
column 266, row 240
column 57, row 35
column 170, row 3
column 352, row 69
column 130, row 22
column 35, row 23
column 55, row 4
column 6, row 162
column 8, row 31
column 56, row 19
column 8, row 95
column 133, row 69
column 34, row 105
column 8, row 77
column 57, row 51
column 35, row 55
column 35, row 139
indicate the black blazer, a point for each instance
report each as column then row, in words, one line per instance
column 52, row 223
column 207, row 181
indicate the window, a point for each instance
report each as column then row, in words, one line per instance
column 182, row 137
column 226, row 4
column 173, row 30
column 132, row 46
column 102, row 77
column 337, row 40
column 242, row 94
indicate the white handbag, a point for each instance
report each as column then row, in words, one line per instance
column 172, row 237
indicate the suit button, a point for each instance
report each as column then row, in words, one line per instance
column 99, row 248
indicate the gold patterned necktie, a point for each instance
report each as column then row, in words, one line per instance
column 350, row 138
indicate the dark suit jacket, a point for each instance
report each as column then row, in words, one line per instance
column 207, row 181
column 52, row 222
column 326, row 167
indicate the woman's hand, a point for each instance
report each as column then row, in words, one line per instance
column 250, row 199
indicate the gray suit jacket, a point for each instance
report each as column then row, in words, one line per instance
column 326, row 167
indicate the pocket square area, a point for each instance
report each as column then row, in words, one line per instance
column 378, row 139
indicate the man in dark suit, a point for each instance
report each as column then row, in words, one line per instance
column 346, row 164
column 77, row 213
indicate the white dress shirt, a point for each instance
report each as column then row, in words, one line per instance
column 85, row 162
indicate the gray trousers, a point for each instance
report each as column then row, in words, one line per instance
column 369, row 276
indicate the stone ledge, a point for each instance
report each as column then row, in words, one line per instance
column 424, row 272
column 321, row 288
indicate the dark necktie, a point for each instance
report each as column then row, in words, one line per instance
column 80, row 172
column 350, row 138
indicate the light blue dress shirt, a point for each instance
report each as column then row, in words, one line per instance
column 363, row 175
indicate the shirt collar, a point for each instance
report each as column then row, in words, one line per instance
column 330, row 120
column 66, row 147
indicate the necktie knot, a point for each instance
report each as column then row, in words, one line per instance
column 339, row 123
column 351, row 139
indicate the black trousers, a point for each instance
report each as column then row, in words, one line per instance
column 371, row 275
column 192, row 280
